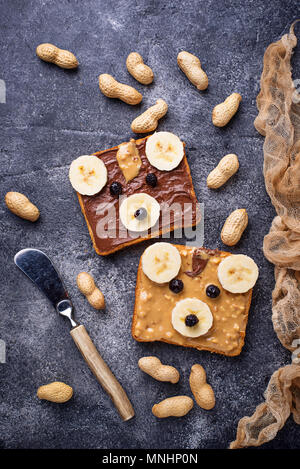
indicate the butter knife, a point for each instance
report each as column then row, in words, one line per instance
column 39, row 268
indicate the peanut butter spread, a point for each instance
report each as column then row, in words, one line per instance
column 129, row 160
column 155, row 302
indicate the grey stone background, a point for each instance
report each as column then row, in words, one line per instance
column 51, row 116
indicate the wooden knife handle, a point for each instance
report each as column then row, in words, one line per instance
column 103, row 374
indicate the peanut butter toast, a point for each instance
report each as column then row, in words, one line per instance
column 193, row 309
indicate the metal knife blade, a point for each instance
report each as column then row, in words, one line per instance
column 39, row 268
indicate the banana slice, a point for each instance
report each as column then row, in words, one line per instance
column 192, row 317
column 164, row 150
column 237, row 273
column 139, row 212
column 88, row 174
column 161, row 262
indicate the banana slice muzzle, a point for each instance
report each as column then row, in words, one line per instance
column 139, row 212
column 192, row 317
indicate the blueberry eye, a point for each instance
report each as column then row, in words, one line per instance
column 191, row 320
column 115, row 188
column 176, row 285
column 212, row 291
column 151, row 179
column 140, row 213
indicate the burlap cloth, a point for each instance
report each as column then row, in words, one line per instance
column 279, row 122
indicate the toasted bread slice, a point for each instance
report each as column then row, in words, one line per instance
column 154, row 304
column 174, row 186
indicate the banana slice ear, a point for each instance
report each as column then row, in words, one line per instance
column 161, row 262
column 238, row 273
column 164, row 150
column 88, row 174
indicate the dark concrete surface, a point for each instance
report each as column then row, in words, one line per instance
column 51, row 116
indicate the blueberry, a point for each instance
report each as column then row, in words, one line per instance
column 140, row 213
column 191, row 320
column 212, row 291
column 176, row 285
column 151, row 179
column 116, row 188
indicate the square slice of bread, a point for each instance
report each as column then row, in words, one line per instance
column 152, row 318
column 173, row 187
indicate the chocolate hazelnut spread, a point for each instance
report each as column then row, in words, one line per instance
column 173, row 188
column 200, row 258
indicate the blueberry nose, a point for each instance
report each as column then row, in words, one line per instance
column 191, row 320
column 140, row 213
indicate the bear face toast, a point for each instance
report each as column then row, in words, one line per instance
column 151, row 174
column 183, row 298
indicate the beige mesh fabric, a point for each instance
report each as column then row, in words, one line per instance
column 282, row 397
column 286, row 307
column 282, row 246
column 279, row 121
